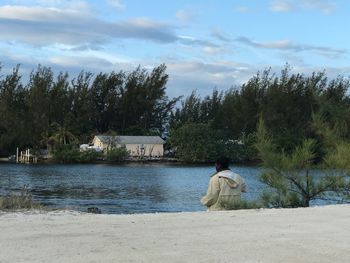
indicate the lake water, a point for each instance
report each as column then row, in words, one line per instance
column 119, row 189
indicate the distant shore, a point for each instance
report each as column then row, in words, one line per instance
column 170, row 161
column 128, row 160
column 317, row 234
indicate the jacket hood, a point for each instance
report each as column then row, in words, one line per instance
column 232, row 177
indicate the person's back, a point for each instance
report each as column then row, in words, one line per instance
column 224, row 187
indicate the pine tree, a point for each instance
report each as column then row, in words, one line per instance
column 294, row 179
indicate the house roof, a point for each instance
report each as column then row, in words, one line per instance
column 131, row 139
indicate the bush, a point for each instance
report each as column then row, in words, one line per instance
column 277, row 199
column 89, row 156
column 22, row 201
column 117, row 154
column 66, row 154
column 196, row 142
column 236, row 151
column 71, row 154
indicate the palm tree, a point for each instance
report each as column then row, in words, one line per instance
column 58, row 135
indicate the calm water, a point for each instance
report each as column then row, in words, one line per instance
column 119, row 189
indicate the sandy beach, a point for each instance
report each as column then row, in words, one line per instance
column 317, row 234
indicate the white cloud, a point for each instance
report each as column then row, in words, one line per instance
column 43, row 26
column 281, row 44
column 324, row 6
column 76, row 62
column 212, row 50
column 73, row 63
column 27, row 13
column 282, row 6
column 63, row 4
column 117, row 4
column 203, row 77
column 289, row 46
column 218, row 34
column 191, row 41
column 184, row 16
column 243, row 9
column 47, row 26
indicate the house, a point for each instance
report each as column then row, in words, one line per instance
column 137, row 146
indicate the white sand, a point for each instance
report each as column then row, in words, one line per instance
column 318, row 234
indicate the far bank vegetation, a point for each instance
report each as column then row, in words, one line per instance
column 59, row 112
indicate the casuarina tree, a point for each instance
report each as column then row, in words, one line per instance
column 296, row 178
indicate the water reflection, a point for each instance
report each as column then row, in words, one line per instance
column 119, row 189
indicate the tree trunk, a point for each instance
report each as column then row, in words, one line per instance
column 306, row 201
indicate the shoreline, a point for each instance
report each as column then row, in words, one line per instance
column 315, row 234
column 165, row 161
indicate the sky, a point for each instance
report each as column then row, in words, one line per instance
column 205, row 44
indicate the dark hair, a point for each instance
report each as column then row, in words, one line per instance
column 223, row 161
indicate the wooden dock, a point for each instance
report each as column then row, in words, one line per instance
column 25, row 157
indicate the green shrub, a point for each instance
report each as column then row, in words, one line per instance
column 89, row 156
column 276, row 199
column 70, row 154
column 196, row 142
column 66, row 154
column 236, row 151
column 117, row 154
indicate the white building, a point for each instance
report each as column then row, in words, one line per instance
column 149, row 146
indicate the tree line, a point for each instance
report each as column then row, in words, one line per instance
column 49, row 110
column 226, row 122
column 53, row 110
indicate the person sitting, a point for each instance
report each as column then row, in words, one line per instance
column 225, row 187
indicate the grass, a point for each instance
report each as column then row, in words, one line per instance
column 20, row 201
column 243, row 204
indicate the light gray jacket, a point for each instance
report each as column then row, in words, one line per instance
column 224, row 186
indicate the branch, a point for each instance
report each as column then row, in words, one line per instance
column 298, row 185
column 307, row 181
column 335, row 200
column 295, row 191
column 323, row 189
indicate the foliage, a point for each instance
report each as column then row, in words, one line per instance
column 66, row 153
column 199, row 142
column 291, row 175
column 57, row 136
column 117, row 154
column 89, row 156
column 195, row 142
column 241, row 150
column 195, row 110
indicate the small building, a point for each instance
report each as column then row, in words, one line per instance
column 137, row 146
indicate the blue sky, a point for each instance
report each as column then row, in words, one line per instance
column 205, row 44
